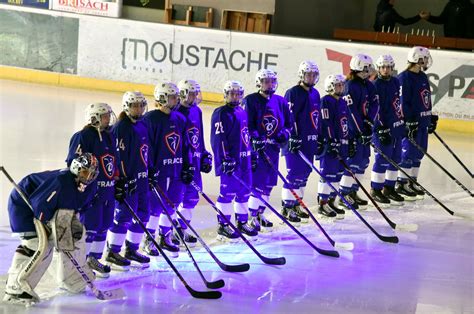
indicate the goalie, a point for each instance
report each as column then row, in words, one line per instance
column 55, row 197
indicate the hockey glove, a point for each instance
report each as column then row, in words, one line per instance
column 283, row 136
column 384, row 135
column 152, row 179
column 412, row 128
column 433, row 124
column 258, row 144
column 366, row 136
column 187, row 173
column 206, row 162
column 254, row 160
column 228, row 165
column 352, row 148
column 333, row 147
column 121, row 188
column 294, row 144
column 320, row 147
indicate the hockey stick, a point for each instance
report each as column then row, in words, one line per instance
column 440, row 166
column 453, row 154
column 194, row 293
column 100, row 294
column 266, row 260
column 339, row 245
column 229, row 268
column 320, row 251
column 406, row 227
column 413, row 181
column 211, row 285
column 390, row 239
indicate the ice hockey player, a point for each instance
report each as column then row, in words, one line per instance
column 190, row 98
column 389, row 131
column 133, row 144
column 303, row 101
column 97, row 139
column 170, row 162
column 230, row 141
column 333, row 128
column 362, row 102
column 55, row 197
column 415, row 97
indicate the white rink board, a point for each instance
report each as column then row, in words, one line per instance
column 146, row 53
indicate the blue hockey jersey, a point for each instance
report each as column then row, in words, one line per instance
column 230, row 137
column 334, row 122
column 415, row 97
column 194, row 132
column 391, row 112
column 47, row 192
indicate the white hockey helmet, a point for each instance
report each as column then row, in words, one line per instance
column 331, row 81
column 189, row 92
column 130, row 99
column 308, row 66
column 268, row 88
column 233, row 92
column 95, row 111
column 167, row 94
column 419, row 54
column 85, row 167
column 385, row 60
column 361, row 63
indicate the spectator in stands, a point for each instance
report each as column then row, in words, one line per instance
column 458, row 19
column 386, row 17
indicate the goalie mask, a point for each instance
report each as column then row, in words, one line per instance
column 362, row 65
column 266, row 81
column 334, row 84
column 420, row 56
column 308, row 73
column 134, row 105
column 167, row 95
column 86, row 169
column 233, row 93
column 100, row 115
column 189, row 92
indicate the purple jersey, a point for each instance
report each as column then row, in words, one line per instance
column 133, row 147
column 391, row 112
column 169, row 144
column 47, row 191
column 230, row 137
column 305, row 116
column 87, row 141
column 267, row 117
column 334, row 121
column 415, row 96
column 194, row 132
column 362, row 101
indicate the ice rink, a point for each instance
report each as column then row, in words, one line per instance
column 428, row 271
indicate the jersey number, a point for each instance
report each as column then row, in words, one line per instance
column 219, row 127
column 121, row 145
column 325, row 113
column 348, row 99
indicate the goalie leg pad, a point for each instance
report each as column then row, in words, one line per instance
column 67, row 229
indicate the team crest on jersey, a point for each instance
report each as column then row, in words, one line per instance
column 193, row 137
column 397, row 106
column 144, row 154
column 270, row 124
column 426, row 98
column 108, row 161
column 245, row 135
column 344, row 127
column 172, row 142
column 314, row 115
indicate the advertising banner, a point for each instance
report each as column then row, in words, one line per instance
column 111, row 8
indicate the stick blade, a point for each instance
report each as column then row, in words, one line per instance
column 234, row 268
column 215, row 284
column 110, row 294
column 274, row 261
column 389, row 239
column 211, row 295
column 347, row 246
column 407, row 227
column 330, row 253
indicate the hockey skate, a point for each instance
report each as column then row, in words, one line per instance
column 395, row 198
column 325, row 210
column 404, row 189
column 20, row 299
column 117, row 261
column 420, row 194
column 166, row 243
column 136, row 258
column 261, row 223
column 226, row 233
column 247, row 229
column 361, row 203
column 380, row 198
column 149, row 248
column 340, row 212
column 302, row 215
column 342, row 205
column 189, row 239
column 100, row 270
column 289, row 213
